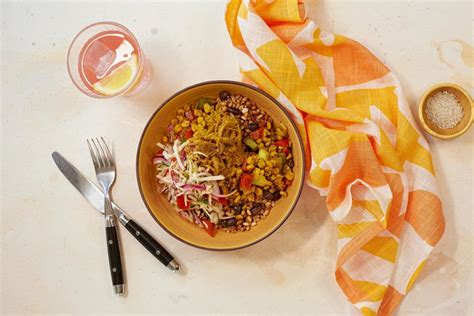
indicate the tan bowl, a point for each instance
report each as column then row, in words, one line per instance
column 161, row 209
column 466, row 102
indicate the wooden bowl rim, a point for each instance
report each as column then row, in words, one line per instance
column 300, row 143
column 422, row 101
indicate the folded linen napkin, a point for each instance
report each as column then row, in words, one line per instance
column 365, row 151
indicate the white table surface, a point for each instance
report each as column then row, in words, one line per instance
column 53, row 253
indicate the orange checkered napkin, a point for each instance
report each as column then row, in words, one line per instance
column 367, row 155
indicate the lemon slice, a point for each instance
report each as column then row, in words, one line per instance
column 119, row 79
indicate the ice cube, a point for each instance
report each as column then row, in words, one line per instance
column 105, row 62
column 99, row 58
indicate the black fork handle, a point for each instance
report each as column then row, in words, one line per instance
column 115, row 261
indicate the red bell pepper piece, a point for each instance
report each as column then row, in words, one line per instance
column 181, row 203
column 188, row 133
column 246, row 181
column 258, row 133
column 210, row 227
column 282, row 143
column 223, row 200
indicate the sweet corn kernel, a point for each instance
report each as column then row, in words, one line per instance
column 185, row 123
column 197, row 112
column 289, row 175
column 178, row 128
column 207, row 108
column 261, row 163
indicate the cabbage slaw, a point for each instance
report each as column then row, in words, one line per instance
column 190, row 188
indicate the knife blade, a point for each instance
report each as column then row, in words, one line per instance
column 94, row 195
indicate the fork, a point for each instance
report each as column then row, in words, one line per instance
column 104, row 165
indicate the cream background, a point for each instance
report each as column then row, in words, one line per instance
column 52, row 245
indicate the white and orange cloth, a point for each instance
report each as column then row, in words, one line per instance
column 365, row 152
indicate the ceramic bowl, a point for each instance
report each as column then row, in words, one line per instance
column 161, row 209
column 464, row 99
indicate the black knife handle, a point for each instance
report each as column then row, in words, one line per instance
column 151, row 244
column 115, row 262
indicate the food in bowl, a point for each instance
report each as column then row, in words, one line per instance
column 444, row 110
column 224, row 163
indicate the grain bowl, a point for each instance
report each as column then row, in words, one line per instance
column 222, row 154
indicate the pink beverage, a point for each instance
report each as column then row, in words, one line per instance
column 105, row 60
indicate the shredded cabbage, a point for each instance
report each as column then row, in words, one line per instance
column 179, row 175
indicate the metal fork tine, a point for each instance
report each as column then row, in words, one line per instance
column 94, row 158
column 102, row 154
column 108, row 153
column 99, row 156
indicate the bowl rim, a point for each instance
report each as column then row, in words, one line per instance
column 422, row 101
column 300, row 143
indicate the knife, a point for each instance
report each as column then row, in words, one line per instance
column 95, row 197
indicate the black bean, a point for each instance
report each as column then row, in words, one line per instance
column 271, row 196
column 268, row 195
column 253, row 126
column 228, row 222
column 224, row 95
column 276, row 196
column 237, row 208
column 257, row 208
column 290, row 163
column 234, row 111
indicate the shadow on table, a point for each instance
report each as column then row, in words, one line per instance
column 305, row 221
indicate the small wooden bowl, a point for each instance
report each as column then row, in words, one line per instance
column 464, row 99
column 161, row 209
